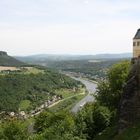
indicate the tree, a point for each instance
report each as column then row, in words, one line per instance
column 109, row 91
column 13, row 130
column 58, row 126
column 91, row 120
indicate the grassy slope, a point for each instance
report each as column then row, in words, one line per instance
column 67, row 103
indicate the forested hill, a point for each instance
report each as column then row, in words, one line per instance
column 6, row 60
column 32, row 88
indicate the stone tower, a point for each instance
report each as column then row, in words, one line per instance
column 136, row 44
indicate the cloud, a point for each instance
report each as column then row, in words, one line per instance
column 86, row 2
column 74, row 26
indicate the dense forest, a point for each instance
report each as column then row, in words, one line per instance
column 35, row 88
column 95, row 121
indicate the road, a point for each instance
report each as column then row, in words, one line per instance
column 91, row 88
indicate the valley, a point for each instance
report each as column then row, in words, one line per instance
column 69, row 70
column 91, row 67
column 67, row 99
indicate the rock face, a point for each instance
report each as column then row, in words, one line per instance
column 6, row 60
column 129, row 110
column 2, row 53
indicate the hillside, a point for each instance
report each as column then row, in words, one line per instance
column 33, row 88
column 6, row 60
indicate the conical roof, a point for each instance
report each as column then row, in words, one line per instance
column 137, row 36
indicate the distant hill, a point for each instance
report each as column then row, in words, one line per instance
column 52, row 57
column 6, row 60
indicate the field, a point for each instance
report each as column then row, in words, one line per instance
column 33, row 70
column 67, row 103
column 3, row 68
column 68, row 92
column 22, row 70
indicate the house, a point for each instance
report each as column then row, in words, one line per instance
column 12, row 114
column 22, row 115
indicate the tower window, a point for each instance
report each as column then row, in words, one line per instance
column 138, row 43
column 134, row 43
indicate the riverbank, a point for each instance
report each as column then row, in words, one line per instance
column 91, row 89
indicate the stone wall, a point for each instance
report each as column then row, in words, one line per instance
column 129, row 109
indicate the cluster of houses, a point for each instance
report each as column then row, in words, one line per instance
column 96, row 77
column 12, row 115
column 23, row 115
column 46, row 104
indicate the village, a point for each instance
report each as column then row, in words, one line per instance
column 23, row 115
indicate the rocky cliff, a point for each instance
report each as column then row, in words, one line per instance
column 2, row 53
column 6, row 60
column 129, row 110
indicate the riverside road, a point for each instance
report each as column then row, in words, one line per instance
column 91, row 88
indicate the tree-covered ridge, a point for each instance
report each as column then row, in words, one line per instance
column 91, row 69
column 35, row 88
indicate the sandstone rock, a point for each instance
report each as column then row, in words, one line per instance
column 2, row 53
column 129, row 109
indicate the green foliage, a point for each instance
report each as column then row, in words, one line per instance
column 117, row 76
column 13, row 130
column 67, row 103
column 43, row 121
column 48, row 119
column 109, row 91
column 36, row 88
column 24, row 104
column 91, row 120
column 58, row 125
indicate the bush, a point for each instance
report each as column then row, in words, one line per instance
column 13, row 130
column 109, row 91
column 91, row 120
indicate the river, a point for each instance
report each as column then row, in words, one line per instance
column 91, row 88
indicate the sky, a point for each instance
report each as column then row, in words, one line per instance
column 68, row 26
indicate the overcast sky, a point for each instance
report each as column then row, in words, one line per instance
column 68, row 26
